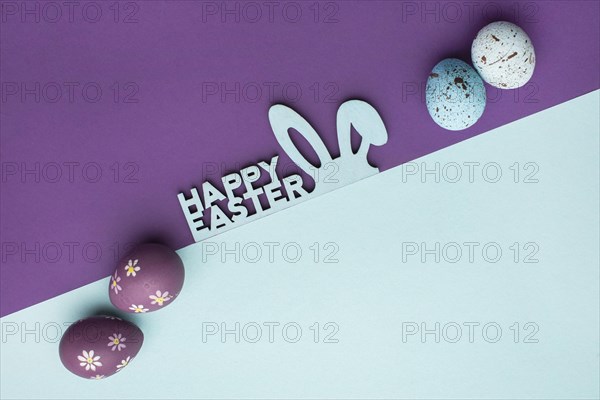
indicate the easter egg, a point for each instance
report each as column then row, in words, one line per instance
column 148, row 278
column 455, row 95
column 98, row 347
column 503, row 55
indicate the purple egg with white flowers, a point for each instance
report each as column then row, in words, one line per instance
column 147, row 279
column 98, row 347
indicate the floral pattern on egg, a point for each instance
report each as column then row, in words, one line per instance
column 100, row 346
column 147, row 279
column 503, row 54
column 455, row 95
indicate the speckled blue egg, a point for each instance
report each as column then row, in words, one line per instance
column 455, row 95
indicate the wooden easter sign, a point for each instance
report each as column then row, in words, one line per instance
column 280, row 193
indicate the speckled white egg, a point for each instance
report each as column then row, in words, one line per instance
column 455, row 95
column 503, row 55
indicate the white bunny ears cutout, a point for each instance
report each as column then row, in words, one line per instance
column 347, row 168
column 207, row 216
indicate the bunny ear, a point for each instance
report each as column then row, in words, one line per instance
column 282, row 118
column 366, row 122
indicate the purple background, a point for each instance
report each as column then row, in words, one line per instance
column 170, row 139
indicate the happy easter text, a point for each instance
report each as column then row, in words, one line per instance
column 215, row 203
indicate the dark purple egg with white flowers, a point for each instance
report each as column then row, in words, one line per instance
column 147, row 279
column 98, row 347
